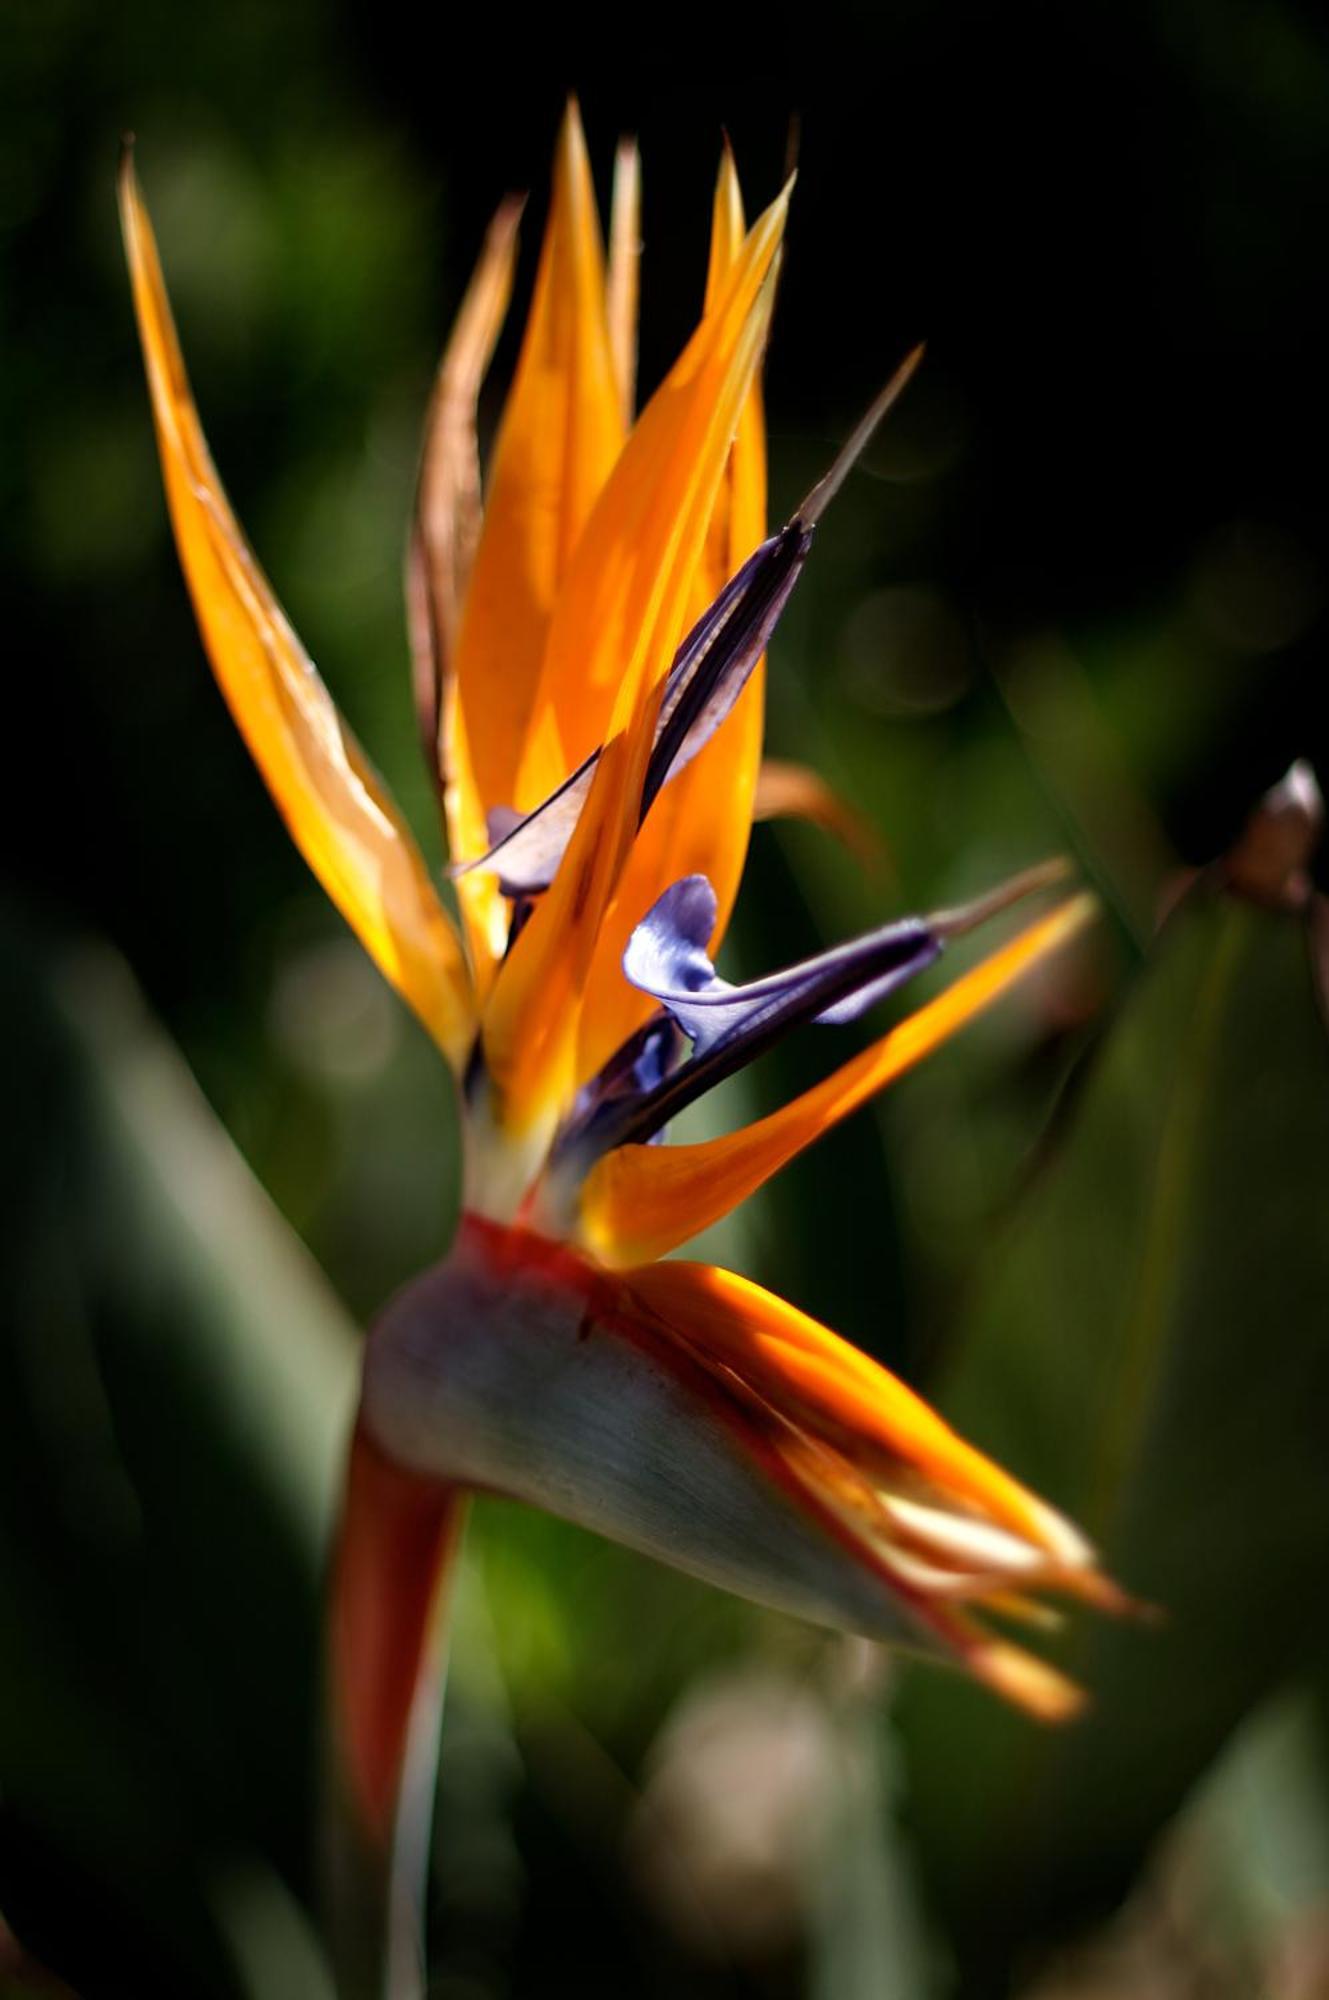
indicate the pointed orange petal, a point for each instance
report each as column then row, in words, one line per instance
column 728, row 226
column 717, row 790
column 816, row 1379
column 625, row 271
column 699, row 824
column 440, row 556
column 338, row 812
column 641, row 1201
column 841, row 1422
column 642, row 549
column 618, row 623
column 561, row 433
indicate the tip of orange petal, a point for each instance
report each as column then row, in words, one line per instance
column 126, row 174
column 728, row 224
column 571, row 133
column 572, row 205
column 1030, row 1683
column 727, row 173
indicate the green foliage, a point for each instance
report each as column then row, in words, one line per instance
column 174, row 1391
column 1147, row 1345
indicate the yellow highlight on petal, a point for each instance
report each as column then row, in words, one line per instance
column 642, row 1201
column 338, row 812
column 561, row 433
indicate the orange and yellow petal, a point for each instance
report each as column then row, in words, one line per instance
column 700, row 822
column 561, row 433
column 945, row 1526
column 338, row 812
column 820, row 1381
column 618, row 622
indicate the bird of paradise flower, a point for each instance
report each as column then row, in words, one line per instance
column 588, row 659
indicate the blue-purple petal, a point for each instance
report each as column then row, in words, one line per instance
column 728, row 1026
column 666, row 957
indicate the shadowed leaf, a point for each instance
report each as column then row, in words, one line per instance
column 175, row 1388
column 1149, row 1347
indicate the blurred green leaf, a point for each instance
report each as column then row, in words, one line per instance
column 1257, row 1832
column 868, row 1935
column 175, row 1385
column 1234, row 1899
column 1149, row 1350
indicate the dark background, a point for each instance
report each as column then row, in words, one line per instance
column 1076, row 597
column 1108, row 222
